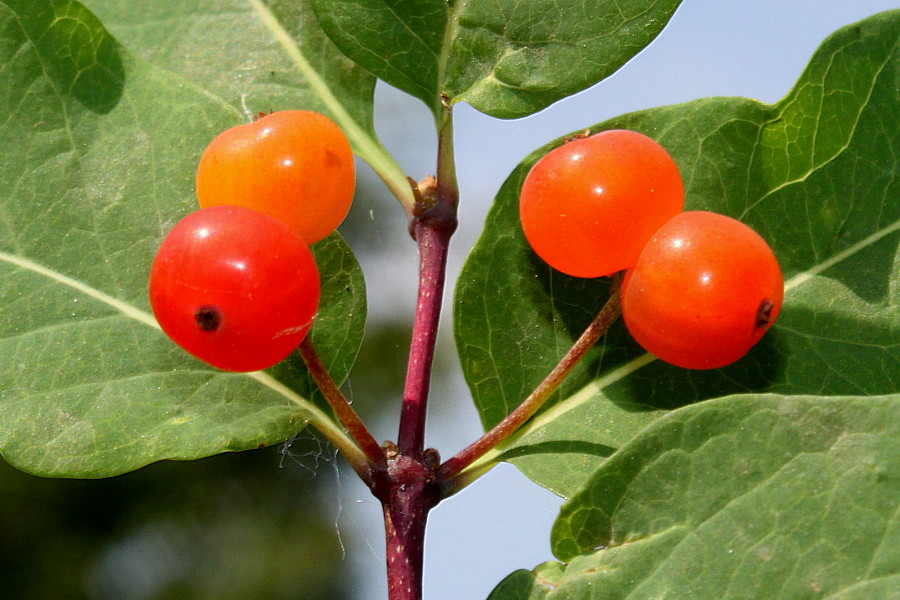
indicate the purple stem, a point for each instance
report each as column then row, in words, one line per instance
column 407, row 489
column 432, row 227
column 408, row 496
column 432, row 233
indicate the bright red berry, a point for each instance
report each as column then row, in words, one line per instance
column 589, row 206
column 234, row 287
column 703, row 291
column 295, row 165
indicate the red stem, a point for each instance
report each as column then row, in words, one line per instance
column 407, row 489
column 408, row 497
column 432, row 227
column 407, row 492
column 432, row 232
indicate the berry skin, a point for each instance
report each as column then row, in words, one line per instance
column 589, row 206
column 234, row 287
column 295, row 165
column 703, row 291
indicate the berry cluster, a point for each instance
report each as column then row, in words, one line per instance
column 700, row 289
column 235, row 283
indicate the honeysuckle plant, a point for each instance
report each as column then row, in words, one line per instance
column 777, row 476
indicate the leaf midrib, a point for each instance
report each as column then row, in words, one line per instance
column 123, row 307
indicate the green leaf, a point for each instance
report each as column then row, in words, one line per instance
column 775, row 497
column 258, row 55
column 513, row 59
column 89, row 386
column 814, row 174
column 398, row 41
column 506, row 59
column 748, row 496
column 560, row 447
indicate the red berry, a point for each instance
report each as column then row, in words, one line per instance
column 295, row 165
column 589, row 206
column 234, row 287
column 703, row 291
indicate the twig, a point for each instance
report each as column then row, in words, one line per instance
column 432, row 230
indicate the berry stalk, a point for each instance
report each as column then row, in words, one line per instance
column 339, row 404
column 451, row 472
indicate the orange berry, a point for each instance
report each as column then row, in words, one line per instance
column 295, row 165
column 703, row 291
column 589, row 206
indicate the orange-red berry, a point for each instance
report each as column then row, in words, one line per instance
column 234, row 287
column 588, row 207
column 703, row 291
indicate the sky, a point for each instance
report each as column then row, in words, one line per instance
column 755, row 49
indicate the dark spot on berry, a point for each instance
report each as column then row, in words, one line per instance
column 332, row 159
column 764, row 313
column 208, row 318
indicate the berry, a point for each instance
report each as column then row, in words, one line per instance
column 234, row 287
column 589, row 206
column 295, row 165
column 703, row 291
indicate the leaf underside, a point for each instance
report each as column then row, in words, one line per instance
column 507, row 59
